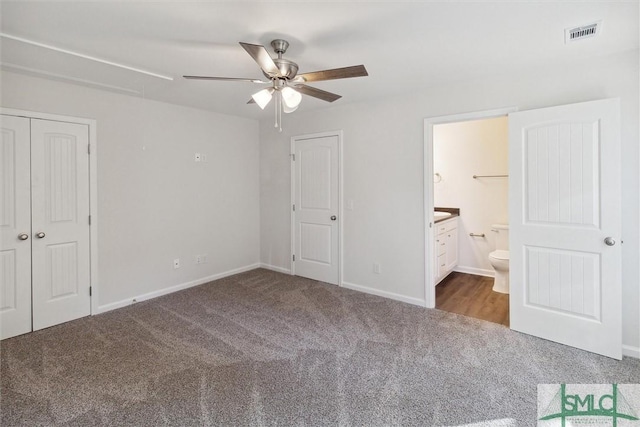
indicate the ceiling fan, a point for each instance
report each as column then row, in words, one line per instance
column 287, row 86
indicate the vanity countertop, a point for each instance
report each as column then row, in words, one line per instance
column 453, row 212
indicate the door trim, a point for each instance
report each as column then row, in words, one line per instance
column 294, row 139
column 429, row 236
column 93, row 187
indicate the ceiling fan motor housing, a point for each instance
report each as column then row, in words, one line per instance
column 288, row 69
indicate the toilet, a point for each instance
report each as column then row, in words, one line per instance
column 499, row 258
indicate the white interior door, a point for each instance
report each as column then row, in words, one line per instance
column 60, row 222
column 564, row 214
column 316, row 198
column 15, row 228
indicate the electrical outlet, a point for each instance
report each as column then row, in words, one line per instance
column 198, row 259
column 198, row 157
column 176, row 263
column 376, row 268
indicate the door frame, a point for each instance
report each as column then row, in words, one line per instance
column 292, row 150
column 93, row 188
column 429, row 235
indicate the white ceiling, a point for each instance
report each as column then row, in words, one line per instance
column 405, row 46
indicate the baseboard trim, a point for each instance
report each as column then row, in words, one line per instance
column 384, row 294
column 275, row 268
column 476, row 271
column 172, row 289
column 631, row 351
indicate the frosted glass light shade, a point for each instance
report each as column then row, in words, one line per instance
column 287, row 109
column 291, row 99
column 263, row 97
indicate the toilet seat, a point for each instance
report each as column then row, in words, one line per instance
column 500, row 254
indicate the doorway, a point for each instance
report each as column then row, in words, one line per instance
column 431, row 231
column 470, row 161
column 564, row 222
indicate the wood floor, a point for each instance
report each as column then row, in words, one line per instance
column 472, row 296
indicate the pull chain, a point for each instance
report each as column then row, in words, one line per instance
column 278, row 111
column 275, row 109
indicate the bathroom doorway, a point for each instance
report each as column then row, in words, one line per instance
column 466, row 188
column 564, row 216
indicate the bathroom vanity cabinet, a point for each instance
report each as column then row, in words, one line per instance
column 446, row 248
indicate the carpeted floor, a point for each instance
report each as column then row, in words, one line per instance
column 263, row 348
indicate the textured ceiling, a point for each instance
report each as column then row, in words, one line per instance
column 406, row 46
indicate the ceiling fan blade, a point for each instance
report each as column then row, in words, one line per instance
column 317, row 93
column 336, row 73
column 225, row 79
column 262, row 57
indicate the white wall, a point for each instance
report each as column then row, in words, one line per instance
column 383, row 169
column 155, row 203
column 461, row 150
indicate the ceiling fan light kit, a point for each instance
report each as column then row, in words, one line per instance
column 291, row 99
column 287, row 86
column 263, row 97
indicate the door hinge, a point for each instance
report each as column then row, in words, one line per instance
column 90, row 290
column 88, row 148
column 294, row 257
column 89, row 219
column 293, row 157
column 294, row 208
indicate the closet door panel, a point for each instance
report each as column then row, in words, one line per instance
column 15, row 227
column 60, row 215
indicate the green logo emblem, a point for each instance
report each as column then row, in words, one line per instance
column 588, row 404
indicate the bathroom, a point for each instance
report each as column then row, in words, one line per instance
column 470, row 164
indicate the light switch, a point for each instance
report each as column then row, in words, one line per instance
column 376, row 268
column 350, row 204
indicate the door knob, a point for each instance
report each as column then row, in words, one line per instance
column 40, row 235
column 609, row 241
column 23, row 236
column 333, row 217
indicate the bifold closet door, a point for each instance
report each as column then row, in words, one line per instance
column 15, row 227
column 60, row 222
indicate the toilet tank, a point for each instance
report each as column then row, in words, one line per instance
column 502, row 236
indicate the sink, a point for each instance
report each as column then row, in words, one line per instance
column 440, row 215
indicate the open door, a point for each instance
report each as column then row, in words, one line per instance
column 564, row 210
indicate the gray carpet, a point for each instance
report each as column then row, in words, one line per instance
column 263, row 348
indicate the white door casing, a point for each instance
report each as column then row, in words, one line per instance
column 564, row 201
column 431, row 267
column 60, row 210
column 316, row 198
column 15, row 221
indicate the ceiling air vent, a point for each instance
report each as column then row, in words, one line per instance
column 583, row 32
